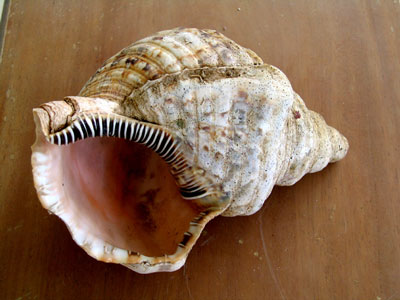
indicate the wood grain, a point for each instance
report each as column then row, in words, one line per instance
column 334, row 235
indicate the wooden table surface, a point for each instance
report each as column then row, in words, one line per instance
column 334, row 235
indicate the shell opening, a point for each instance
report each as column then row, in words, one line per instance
column 127, row 184
column 157, row 139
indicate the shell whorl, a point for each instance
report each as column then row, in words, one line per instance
column 246, row 126
column 166, row 52
column 234, row 118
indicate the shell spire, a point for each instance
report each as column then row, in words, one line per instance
column 312, row 144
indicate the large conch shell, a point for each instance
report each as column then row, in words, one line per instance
column 170, row 132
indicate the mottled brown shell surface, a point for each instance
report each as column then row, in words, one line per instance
column 243, row 125
column 166, row 52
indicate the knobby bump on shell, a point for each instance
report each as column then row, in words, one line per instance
column 170, row 132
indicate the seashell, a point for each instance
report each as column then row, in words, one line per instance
column 170, row 132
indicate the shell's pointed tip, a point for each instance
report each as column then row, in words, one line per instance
column 341, row 147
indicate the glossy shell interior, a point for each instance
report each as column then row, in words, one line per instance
column 124, row 189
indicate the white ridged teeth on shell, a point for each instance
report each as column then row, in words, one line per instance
column 108, row 123
column 79, row 127
column 100, row 124
column 159, row 142
column 156, row 139
column 90, row 125
column 71, row 134
column 156, row 133
column 94, row 120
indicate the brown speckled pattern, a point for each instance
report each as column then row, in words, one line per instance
column 166, row 52
column 244, row 125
